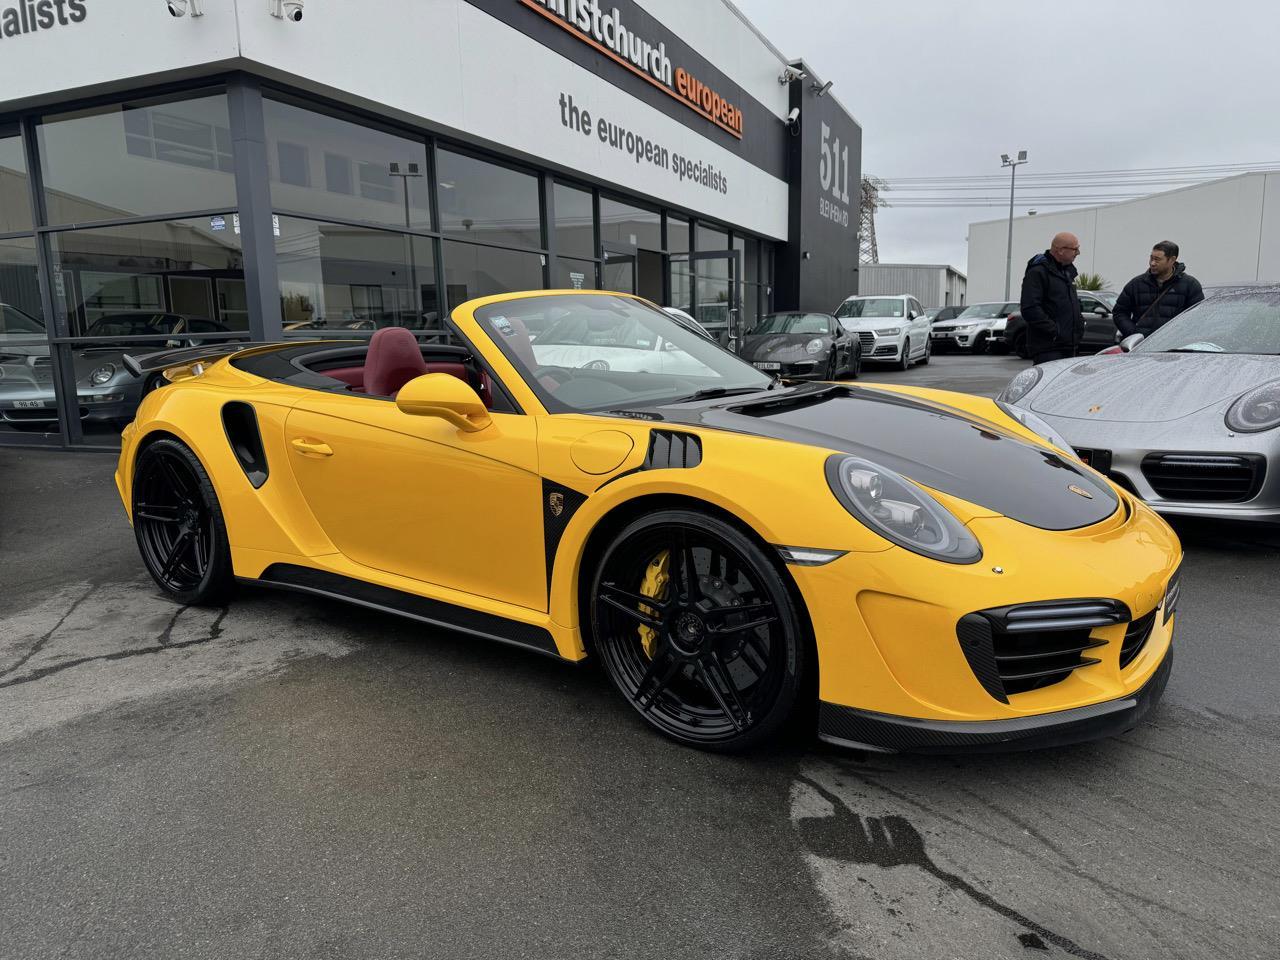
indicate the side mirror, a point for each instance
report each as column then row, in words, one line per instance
column 1131, row 341
column 445, row 396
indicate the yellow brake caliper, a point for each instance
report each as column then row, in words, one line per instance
column 656, row 578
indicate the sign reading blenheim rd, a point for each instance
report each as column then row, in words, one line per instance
column 606, row 32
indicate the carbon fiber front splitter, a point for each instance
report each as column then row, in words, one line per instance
column 885, row 733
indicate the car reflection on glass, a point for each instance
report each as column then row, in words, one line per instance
column 105, row 391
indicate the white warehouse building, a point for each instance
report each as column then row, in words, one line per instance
column 1228, row 231
column 933, row 284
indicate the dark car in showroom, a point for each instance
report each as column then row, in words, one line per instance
column 796, row 344
column 1096, row 307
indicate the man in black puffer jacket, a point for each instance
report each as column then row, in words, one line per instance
column 1151, row 300
column 1050, row 306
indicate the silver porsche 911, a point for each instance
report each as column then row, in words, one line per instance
column 1188, row 418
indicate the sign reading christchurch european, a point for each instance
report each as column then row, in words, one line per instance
column 607, row 34
column 30, row 16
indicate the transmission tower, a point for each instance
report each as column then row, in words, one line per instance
column 868, row 251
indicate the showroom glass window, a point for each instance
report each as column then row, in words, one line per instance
column 630, row 226
column 472, row 270
column 137, row 158
column 15, row 196
column 28, row 408
column 343, row 280
column 335, row 169
column 487, row 202
column 575, row 239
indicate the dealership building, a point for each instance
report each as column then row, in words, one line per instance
column 260, row 170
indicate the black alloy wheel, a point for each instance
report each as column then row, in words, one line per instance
column 179, row 527
column 980, row 344
column 697, row 630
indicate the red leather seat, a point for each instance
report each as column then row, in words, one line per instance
column 394, row 359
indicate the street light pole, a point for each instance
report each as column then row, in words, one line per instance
column 1013, row 174
column 404, row 172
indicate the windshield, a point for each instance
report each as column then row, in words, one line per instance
column 15, row 323
column 871, row 307
column 1244, row 322
column 794, row 323
column 590, row 355
column 983, row 311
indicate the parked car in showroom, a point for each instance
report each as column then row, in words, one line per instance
column 1187, row 418
column 902, row 568
column 796, row 344
column 1096, row 307
column 971, row 329
column 105, row 390
column 890, row 329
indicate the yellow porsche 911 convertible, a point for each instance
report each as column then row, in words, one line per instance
column 919, row 570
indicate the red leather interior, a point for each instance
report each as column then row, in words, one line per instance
column 398, row 367
column 393, row 360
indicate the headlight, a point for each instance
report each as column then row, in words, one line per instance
column 103, row 374
column 1257, row 410
column 900, row 511
column 1037, row 426
column 888, row 331
column 814, row 346
column 1020, row 385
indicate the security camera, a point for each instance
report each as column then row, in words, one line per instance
column 180, row 8
column 820, row 89
column 793, row 117
column 285, row 9
column 791, row 73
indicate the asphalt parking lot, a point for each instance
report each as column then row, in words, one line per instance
column 290, row 777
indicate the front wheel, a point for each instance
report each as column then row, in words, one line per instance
column 855, row 366
column 179, row 527
column 904, row 363
column 928, row 352
column 696, row 628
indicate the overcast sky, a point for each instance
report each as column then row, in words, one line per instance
column 943, row 87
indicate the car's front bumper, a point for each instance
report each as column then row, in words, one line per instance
column 793, row 369
column 884, row 733
column 947, row 339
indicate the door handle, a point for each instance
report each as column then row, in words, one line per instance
column 312, row 448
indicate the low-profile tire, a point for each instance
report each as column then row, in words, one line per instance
column 696, row 628
column 833, row 365
column 905, row 362
column 178, row 523
column 855, row 364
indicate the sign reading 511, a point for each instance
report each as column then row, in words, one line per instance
column 833, row 174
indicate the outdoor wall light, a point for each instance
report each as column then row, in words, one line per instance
column 820, row 89
column 180, row 8
column 285, row 9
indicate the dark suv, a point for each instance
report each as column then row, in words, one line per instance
column 1100, row 331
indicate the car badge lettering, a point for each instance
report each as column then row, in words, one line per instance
column 556, row 502
column 1080, row 492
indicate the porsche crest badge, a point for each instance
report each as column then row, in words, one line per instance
column 556, row 502
column 1080, row 491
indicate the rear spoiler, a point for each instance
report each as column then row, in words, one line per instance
column 160, row 360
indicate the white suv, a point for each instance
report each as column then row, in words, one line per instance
column 891, row 329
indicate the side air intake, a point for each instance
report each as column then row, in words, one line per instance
column 241, row 424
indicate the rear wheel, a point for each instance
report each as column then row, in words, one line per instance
column 696, row 628
column 179, row 527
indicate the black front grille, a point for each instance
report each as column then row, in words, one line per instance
column 867, row 339
column 1204, row 477
column 1135, row 638
column 1015, row 649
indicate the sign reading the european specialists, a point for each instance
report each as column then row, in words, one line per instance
column 608, row 34
column 30, row 16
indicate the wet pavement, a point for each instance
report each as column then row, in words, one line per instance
column 290, row 777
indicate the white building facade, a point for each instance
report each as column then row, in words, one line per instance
column 375, row 164
column 1228, row 231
